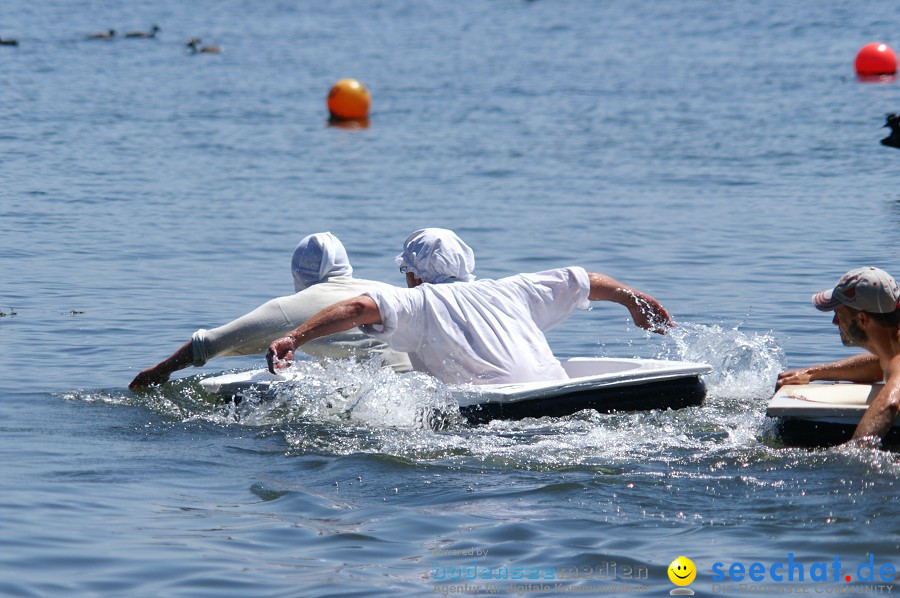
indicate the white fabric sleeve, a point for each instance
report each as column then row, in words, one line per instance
column 388, row 314
column 250, row 334
column 553, row 295
column 401, row 318
column 199, row 347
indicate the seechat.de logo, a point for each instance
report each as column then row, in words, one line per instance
column 791, row 570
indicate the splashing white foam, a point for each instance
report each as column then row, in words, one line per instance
column 744, row 365
column 363, row 393
column 347, row 407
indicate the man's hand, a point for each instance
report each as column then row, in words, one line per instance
column 149, row 377
column 649, row 314
column 798, row 376
column 281, row 353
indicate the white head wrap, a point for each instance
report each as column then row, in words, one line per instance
column 437, row 255
column 319, row 257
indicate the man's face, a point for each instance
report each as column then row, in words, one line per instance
column 851, row 334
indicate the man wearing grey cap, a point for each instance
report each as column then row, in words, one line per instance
column 866, row 306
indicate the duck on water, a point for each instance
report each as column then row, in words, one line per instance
column 196, row 48
column 144, row 34
column 104, row 35
column 892, row 140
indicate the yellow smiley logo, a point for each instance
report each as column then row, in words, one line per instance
column 682, row 571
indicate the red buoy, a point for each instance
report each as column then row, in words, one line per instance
column 876, row 59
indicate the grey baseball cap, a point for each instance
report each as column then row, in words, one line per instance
column 866, row 289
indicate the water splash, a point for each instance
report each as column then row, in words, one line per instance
column 744, row 365
column 363, row 393
column 343, row 407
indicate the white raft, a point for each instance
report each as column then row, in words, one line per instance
column 822, row 414
column 603, row 384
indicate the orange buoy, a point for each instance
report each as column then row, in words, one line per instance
column 349, row 100
column 876, row 59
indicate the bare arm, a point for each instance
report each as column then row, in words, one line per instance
column 646, row 311
column 337, row 318
column 864, row 369
column 882, row 411
column 159, row 374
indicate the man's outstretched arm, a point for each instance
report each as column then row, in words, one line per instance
column 864, row 369
column 646, row 311
column 159, row 374
column 337, row 318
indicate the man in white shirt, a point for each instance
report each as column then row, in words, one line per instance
column 460, row 330
column 322, row 276
column 866, row 306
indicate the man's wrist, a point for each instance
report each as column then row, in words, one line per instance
column 627, row 297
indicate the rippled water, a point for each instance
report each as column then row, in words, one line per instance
column 723, row 158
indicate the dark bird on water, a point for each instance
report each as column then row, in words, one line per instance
column 194, row 45
column 9, row 42
column 892, row 140
column 111, row 34
column 144, row 34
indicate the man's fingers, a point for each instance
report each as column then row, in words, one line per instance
column 663, row 327
column 282, row 348
column 649, row 314
column 800, row 376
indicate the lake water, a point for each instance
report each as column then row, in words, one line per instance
column 722, row 157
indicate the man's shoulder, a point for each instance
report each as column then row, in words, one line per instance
column 362, row 284
column 566, row 273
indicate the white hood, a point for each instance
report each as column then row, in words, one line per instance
column 319, row 257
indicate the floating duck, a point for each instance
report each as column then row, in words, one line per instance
column 144, row 34
column 892, row 140
column 194, row 45
column 111, row 34
column 9, row 42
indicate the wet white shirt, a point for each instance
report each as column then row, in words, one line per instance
column 482, row 332
column 252, row 333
